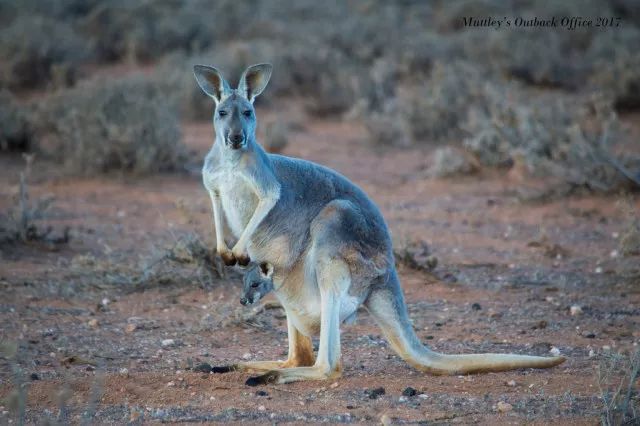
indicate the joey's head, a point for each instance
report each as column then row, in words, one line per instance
column 234, row 118
column 257, row 283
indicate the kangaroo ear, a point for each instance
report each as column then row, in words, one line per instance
column 253, row 80
column 266, row 270
column 211, row 81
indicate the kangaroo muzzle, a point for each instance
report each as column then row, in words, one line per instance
column 235, row 140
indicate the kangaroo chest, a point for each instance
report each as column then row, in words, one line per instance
column 238, row 201
column 237, row 197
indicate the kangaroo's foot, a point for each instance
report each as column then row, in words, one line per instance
column 288, row 375
column 253, row 366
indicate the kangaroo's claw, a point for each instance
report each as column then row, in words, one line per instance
column 264, row 379
column 243, row 259
column 224, row 369
column 228, row 258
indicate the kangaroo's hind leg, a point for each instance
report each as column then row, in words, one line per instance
column 334, row 279
column 300, row 354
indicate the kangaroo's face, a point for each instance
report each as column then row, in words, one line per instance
column 234, row 120
column 257, row 283
column 234, row 117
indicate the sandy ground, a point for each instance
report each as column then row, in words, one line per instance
column 508, row 272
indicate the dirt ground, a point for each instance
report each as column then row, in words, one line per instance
column 511, row 262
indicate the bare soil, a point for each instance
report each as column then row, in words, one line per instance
column 523, row 259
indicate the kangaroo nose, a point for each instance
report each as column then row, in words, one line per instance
column 236, row 137
column 244, row 301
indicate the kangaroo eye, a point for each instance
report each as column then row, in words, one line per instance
column 222, row 113
column 247, row 113
column 255, row 285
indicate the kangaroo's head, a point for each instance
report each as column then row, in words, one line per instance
column 256, row 283
column 234, row 117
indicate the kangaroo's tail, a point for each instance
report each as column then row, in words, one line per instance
column 386, row 304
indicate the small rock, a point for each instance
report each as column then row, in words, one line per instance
column 123, row 371
column 575, row 310
column 409, row 391
column 504, row 407
column 171, row 384
column 262, row 408
column 246, row 356
column 375, row 393
column 606, row 348
column 168, row 343
column 93, row 323
column 591, row 353
column 130, row 328
column 203, row 368
column 476, row 307
column 385, row 420
column 598, row 270
column 511, row 383
column 403, row 399
column 34, row 376
column 261, row 393
column 588, row 334
column 423, row 396
column 554, row 351
column 334, row 385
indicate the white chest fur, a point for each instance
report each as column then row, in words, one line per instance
column 236, row 196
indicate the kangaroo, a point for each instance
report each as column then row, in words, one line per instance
column 326, row 241
column 256, row 283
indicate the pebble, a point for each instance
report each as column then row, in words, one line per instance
column 591, row 353
column 554, row 351
column 375, row 393
column 123, row 371
column 504, row 407
column 34, row 376
column 171, row 384
column 423, row 396
column 588, row 334
column 93, row 323
column 261, row 393
column 130, row 328
column 334, row 385
column 511, row 383
column 476, row 307
column 575, row 310
column 246, row 356
column 262, row 408
column 168, row 342
column 385, row 420
column 606, row 348
column 403, row 399
column 409, row 391
column 598, row 270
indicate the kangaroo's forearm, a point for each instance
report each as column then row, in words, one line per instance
column 262, row 209
column 217, row 222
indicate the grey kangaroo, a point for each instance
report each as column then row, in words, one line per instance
column 256, row 283
column 327, row 242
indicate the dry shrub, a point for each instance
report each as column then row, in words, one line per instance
column 37, row 50
column 551, row 137
column 448, row 161
column 16, row 131
column 617, row 375
column 21, row 223
column 432, row 112
column 120, row 125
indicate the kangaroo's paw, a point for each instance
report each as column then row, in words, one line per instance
column 243, row 259
column 263, row 379
column 228, row 258
column 224, row 369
